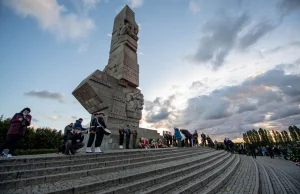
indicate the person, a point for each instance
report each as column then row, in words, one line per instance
column 230, row 145
column 127, row 134
column 270, row 151
column 98, row 127
column 216, row 144
column 17, row 130
column 134, row 137
column 121, row 140
column 177, row 136
column 226, row 144
column 170, row 139
column 188, row 136
column 74, row 142
column 78, row 125
column 203, row 138
column 195, row 138
column 68, row 129
column 252, row 150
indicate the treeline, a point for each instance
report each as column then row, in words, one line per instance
column 263, row 137
column 42, row 139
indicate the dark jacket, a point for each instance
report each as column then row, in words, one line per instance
column 78, row 125
column 76, row 138
column 127, row 132
column 18, row 127
column 186, row 133
column 252, row 147
column 67, row 130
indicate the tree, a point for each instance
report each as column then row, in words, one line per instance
column 293, row 134
column 245, row 137
column 275, row 136
column 279, row 137
column 270, row 137
column 297, row 131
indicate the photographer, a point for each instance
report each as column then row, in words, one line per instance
column 74, row 142
column 17, row 129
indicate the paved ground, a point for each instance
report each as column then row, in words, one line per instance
column 243, row 180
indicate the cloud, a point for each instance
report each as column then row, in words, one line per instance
column 269, row 100
column 82, row 48
column 56, row 18
column 53, row 117
column 220, row 38
column 135, row 3
column 256, row 32
column 194, row 7
column 291, row 45
column 110, row 35
column 287, row 7
column 46, row 95
column 196, row 85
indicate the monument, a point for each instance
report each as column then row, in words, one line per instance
column 114, row 90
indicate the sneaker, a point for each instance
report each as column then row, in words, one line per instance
column 97, row 150
column 70, row 152
column 88, row 150
column 9, row 155
column 121, row 147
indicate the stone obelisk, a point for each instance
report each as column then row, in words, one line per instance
column 114, row 91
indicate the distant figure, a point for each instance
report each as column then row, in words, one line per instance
column 121, row 140
column 252, row 150
column 203, row 138
column 177, row 137
column 68, row 129
column 134, row 137
column 270, row 150
column 17, row 129
column 127, row 134
column 195, row 138
column 264, row 150
column 188, row 136
column 230, row 145
column 216, row 144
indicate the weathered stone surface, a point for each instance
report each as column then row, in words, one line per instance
column 114, row 91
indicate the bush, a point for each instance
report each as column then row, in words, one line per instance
column 36, row 139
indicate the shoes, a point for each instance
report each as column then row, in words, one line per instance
column 97, row 150
column 9, row 155
column 121, row 147
column 88, row 150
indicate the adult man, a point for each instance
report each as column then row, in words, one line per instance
column 121, row 140
column 74, row 142
column 97, row 129
column 78, row 125
column 127, row 134
column 188, row 136
column 68, row 129
column 17, row 129
column 195, row 138
column 203, row 138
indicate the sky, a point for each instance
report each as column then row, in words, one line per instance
column 219, row 67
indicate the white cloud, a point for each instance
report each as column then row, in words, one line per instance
column 194, row 7
column 109, row 34
column 55, row 18
column 135, row 3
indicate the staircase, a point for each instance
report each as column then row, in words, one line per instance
column 171, row 170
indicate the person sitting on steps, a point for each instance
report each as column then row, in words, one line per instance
column 74, row 142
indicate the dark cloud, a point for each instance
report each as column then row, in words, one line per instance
column 45, row 95
column 246, row 107
column 286, row 7
column 255, row 33
column 196, row 85
column 220, row 39
column 161, row 115
column 294, row 44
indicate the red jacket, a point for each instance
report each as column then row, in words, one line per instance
column 16, row 127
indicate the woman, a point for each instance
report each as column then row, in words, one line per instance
column 178, row 136
column 17, row 129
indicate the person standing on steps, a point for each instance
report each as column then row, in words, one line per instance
column 68, row 129
column 134, row 137
column 98, row 127
column 252, row 150
column 127, row 133
column 203, row 138
column 195, row 138
column 17, row 129
column 177, row 136
column 270, row 150
column 121, row 140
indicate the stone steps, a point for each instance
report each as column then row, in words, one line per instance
column 82, row 171
column 159, row 179
column 137, row 171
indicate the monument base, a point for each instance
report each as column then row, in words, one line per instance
column 111, row 142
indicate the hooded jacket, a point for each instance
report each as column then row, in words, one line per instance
column 78, row 125
column 177, row 133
